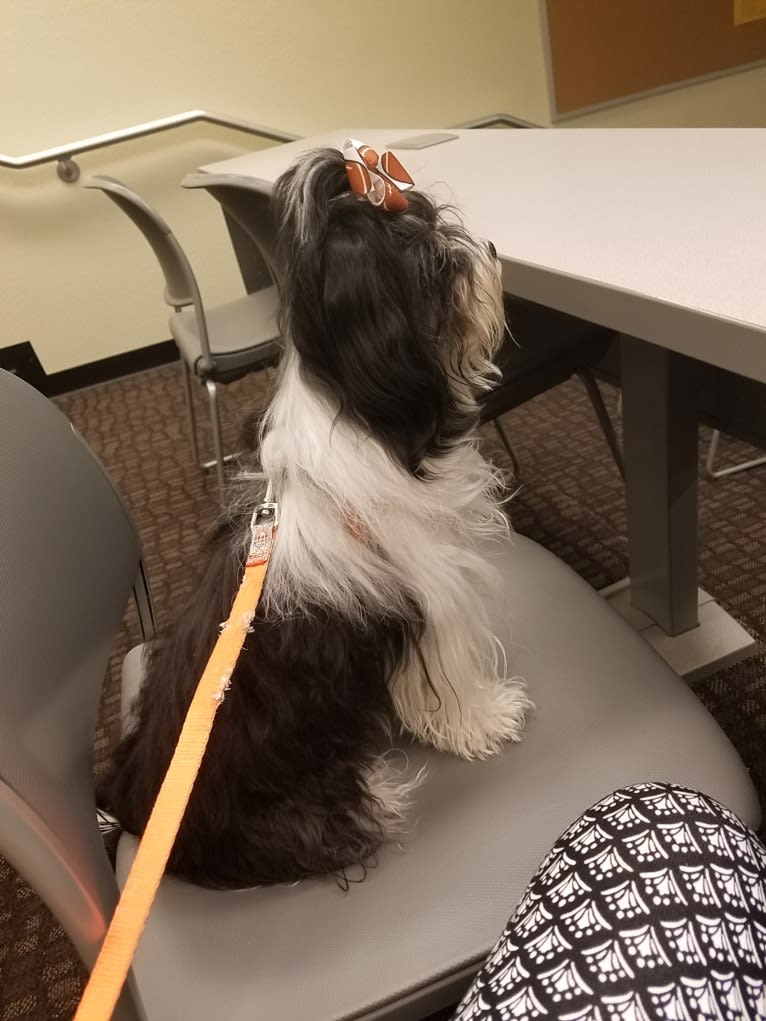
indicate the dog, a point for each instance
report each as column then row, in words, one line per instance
column 373, row 617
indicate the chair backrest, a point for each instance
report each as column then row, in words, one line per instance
column 180, row 283
column 70, row 555
column 248, row 201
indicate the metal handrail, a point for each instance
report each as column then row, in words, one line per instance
column 69, row 171
column 499, row 118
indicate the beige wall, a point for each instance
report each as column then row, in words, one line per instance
column 731, row 101
column 77, row 280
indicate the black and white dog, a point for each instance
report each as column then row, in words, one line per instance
column 373, row 618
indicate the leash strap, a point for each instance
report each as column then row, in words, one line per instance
column 119, row 946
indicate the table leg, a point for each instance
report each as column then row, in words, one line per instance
column 661, row 600
column 660, row 441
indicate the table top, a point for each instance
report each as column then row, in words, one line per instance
column 657, row 233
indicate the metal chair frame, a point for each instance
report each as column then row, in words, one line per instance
column 718, row 473
column 182, row 291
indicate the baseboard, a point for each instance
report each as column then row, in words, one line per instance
column 22, row 360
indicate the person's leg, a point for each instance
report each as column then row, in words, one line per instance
column 651, row 905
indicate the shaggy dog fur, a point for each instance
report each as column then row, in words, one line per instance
column 373, row 617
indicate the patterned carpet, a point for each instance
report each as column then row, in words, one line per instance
column 571, row 501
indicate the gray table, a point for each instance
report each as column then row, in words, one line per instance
column 659, row 235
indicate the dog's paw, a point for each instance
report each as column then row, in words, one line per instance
column 476, row 727
column 496, row 714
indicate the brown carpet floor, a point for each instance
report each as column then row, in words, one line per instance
column 571, row 501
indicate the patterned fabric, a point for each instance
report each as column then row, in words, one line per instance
column 652, row 905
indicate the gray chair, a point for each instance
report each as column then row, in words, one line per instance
column 407, row 940
column 247, row 202
column 549, row 346
column 71, row 558
column 216, row 345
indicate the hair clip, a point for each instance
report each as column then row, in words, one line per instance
column 382, row 180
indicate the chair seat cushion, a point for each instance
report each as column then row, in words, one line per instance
column 243, row 333
column 407, row 939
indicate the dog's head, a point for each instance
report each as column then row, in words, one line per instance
column 395, row 314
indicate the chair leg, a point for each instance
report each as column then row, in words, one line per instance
column 604, row 421
column 219, row 459
column 713, row 473
column 215, row 421
column 186, row 378
column 509, row 449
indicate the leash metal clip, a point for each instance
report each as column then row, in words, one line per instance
column 266, row 513
column 263, row 525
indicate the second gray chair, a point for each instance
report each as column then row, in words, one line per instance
column 246, row 201
column 216, row 345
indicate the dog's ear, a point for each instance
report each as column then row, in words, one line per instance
column 366, row 298
column 365, row 327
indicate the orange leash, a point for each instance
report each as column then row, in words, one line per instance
column 119, row 946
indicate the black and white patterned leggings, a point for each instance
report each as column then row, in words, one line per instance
column 651, row 906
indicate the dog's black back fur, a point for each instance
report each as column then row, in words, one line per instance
column 265, row 810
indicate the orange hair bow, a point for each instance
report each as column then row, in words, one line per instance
column 380, row 179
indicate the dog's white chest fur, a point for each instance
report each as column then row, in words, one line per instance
column 358, row 533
